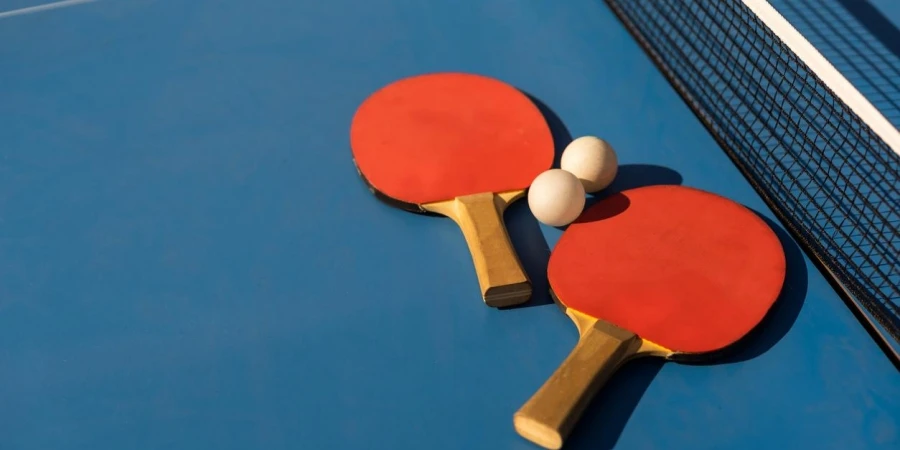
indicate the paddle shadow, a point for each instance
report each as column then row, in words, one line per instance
column 532, row 249
column 561, row 135
column 780, row 318
column 605, row 417
column 525, row 231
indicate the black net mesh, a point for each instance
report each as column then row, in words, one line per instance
column 830, row 179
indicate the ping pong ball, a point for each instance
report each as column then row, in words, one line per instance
column 592, row 160
column 556, row 197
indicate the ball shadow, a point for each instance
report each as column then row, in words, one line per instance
column 632, row 176
column 613, row 205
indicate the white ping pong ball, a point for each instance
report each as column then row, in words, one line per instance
column 556, row 197
column 592, row 160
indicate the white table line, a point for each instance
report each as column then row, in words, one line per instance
column 44, row 7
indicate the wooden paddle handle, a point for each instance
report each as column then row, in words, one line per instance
column 500, row 274
column 551, row 413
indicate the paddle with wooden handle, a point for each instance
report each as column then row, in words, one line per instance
column 460, row 145
column 665, row 271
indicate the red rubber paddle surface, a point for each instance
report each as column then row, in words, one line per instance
column 683, row 268
column 439, row 136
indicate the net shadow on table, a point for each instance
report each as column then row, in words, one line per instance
column 869, row 60
column 880, row 26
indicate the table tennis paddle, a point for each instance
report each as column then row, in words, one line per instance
column 664, row 271
column 460, row 145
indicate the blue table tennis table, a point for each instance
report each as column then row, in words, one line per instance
column 188, row 259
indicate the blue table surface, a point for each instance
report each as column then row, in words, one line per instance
column 189, row 260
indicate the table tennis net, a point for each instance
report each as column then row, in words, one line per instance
column 832, row 181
